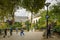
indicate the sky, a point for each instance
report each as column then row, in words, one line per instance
column 23, row 12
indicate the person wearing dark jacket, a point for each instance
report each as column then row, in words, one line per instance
column 5, row 33
column 49, row 31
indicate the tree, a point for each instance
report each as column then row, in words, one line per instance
column 55, row 11
column 8, row 7
column 33, row 5
column 42, row 20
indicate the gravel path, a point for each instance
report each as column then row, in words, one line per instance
column 28, row 36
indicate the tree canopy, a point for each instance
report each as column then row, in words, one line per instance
column 33, row 5
column 55, row 11
column 7, row 7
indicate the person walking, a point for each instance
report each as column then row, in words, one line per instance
column 11, row 31
column 49, row 30
column 5, row 33
column 22, row 32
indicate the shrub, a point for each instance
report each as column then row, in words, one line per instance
column 57, row 29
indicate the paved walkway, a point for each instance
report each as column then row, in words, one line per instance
column 27, row 36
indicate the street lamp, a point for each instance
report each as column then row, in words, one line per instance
column 47, row 4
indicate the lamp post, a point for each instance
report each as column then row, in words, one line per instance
column 47, row 4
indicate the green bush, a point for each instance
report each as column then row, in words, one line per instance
column 57, row 29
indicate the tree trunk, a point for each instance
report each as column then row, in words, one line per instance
column 13, row 18
column 31, row 20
